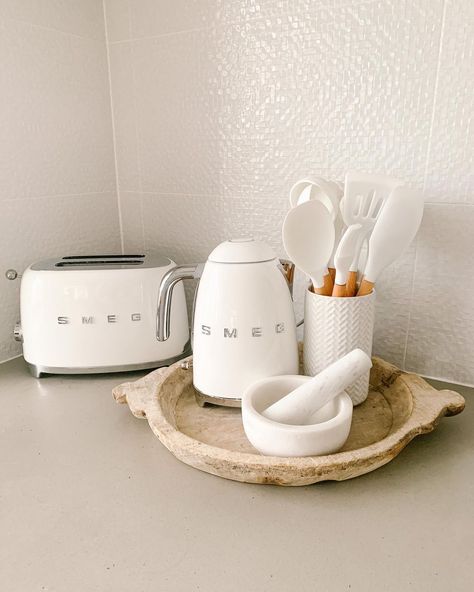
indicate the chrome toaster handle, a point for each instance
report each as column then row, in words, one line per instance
column 163, row 311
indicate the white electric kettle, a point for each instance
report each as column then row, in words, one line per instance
column 244, row 324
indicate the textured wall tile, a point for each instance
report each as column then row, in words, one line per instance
column 178, row 132
column 327, row 88
column 150, row 18
column 55, row 117
column 187, row 228
column 55, row 123
column 394, row 292
column 34, row 229
column 440, row 340
column 117, row 16
column 9, row 314
column 449, row 175
column 245, row 109
column 126, row 146
column 132, row 222
column 84, row 17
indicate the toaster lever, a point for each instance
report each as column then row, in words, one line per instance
column 17, row 332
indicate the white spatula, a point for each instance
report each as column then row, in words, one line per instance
column 308, row 237
column 344, row 257
column 394, row 230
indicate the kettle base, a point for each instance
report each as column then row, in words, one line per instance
column 202, row 399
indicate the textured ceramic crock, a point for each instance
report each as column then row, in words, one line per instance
column 332, row 328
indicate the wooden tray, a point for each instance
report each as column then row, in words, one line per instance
column 399, row 407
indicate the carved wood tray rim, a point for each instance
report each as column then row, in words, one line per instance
column 146, row 399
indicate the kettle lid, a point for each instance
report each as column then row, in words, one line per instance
column 242, row 250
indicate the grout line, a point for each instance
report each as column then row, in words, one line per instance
column 76, row 195
column 160, row 36
column 268, row 197
column 216, row 22
column 435, row 94
column 10, row 359
column 410, row 305
column 448, row 380
column 170, row 194
column 50, row 29
column 428, row 157
column 114, row 135
column 448, row 203
column 137, row 138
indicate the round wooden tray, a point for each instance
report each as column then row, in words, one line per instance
column 399, row 407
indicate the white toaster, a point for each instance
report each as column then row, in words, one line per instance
column 91, row 314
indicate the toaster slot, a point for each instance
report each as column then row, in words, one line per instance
column 108, row 257
column 99, row 262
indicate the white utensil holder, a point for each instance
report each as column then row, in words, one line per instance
column 332, row 328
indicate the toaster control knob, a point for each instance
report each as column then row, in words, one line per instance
column 18, row 333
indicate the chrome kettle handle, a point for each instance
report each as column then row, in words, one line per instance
column 288, row 269
column 165, row 293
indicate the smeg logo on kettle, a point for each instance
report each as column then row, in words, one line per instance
column 234, row 333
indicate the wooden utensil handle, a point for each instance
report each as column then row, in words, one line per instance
column 365, row 288
column 351, row 285
column 332, row 273
column 339, row 290
column 326, row 290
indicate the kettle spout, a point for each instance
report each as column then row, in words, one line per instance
column 165, row 293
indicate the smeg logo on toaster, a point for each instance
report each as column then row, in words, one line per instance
column 135, row 317
column 234, row 333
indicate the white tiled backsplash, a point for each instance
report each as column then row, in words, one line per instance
column 220, row 105
column 57, row 177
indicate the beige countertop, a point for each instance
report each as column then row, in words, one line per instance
column 91, row 501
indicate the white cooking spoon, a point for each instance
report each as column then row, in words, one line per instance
column 327, row 192
column 308, row 237
column 394, row 230
column 330, row 194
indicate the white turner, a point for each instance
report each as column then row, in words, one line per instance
column 394, row 230
column 364, row 197
column 297, row 407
